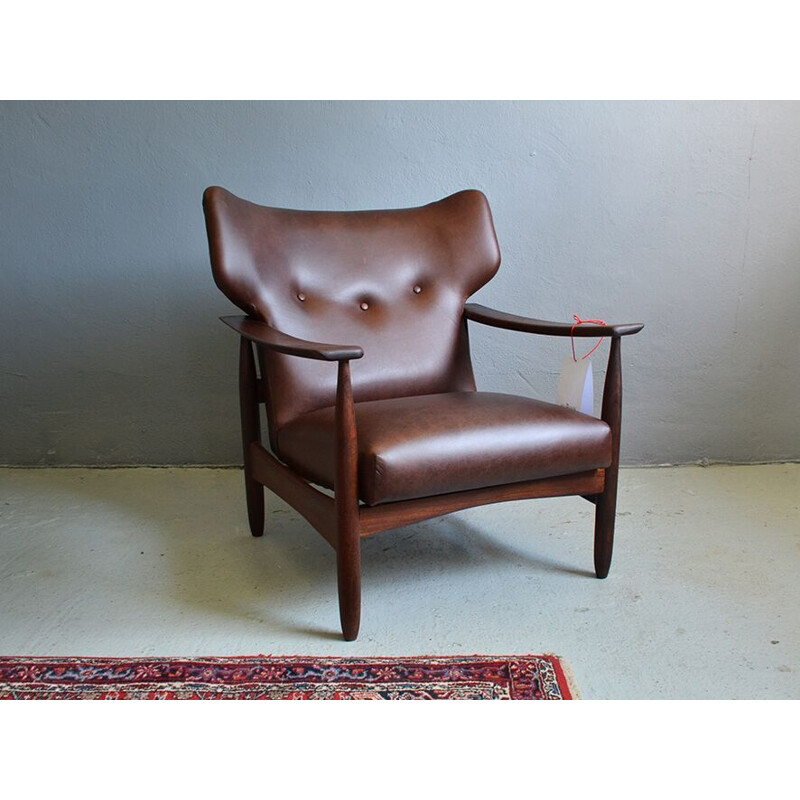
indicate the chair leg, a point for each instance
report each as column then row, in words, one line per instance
column 251, row 432
column 348, row 568
column 254, row 493
column 348, row 537
column 606, row 511
column 604, row 518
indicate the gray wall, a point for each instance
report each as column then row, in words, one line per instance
column 681, row 215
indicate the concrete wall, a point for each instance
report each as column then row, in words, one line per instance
column 683, row 215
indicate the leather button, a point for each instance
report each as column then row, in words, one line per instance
column 364, row 306
column 417, row 289
column 301, row 297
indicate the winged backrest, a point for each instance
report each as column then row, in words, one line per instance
column 393, row 282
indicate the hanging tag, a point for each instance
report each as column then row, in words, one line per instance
column 575, row 385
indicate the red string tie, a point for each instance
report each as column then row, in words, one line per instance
column 579, row 321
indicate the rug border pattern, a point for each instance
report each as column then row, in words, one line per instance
column 519, row 677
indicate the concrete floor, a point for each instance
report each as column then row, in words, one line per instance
column 701, row 602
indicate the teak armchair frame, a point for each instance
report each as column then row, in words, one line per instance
column 342, row 520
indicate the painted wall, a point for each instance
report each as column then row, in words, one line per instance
column 685, row 216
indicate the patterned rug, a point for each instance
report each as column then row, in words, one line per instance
column 286, row 678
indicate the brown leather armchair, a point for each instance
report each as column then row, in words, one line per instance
column 402, row 435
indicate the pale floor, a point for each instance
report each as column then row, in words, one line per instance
column 701, row 602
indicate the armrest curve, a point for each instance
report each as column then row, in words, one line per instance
column 513, row 322
column 267, row 336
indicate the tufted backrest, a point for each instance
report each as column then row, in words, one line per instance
column 393, row 282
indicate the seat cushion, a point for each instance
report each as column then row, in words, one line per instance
column 433, row 444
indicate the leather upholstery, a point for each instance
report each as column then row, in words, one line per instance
column 392, row 282
column 434, row 444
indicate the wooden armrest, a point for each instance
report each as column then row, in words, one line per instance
column 261, row 333
column 513, row 322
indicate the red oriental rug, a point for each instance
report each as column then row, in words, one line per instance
column 286, row 678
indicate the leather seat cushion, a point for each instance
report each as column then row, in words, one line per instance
column 419, row 446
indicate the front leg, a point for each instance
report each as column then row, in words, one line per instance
column 605, row 513
column 348, row 540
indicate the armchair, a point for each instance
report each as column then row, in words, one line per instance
column 402, row 435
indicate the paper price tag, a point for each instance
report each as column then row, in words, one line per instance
column 575, row 387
